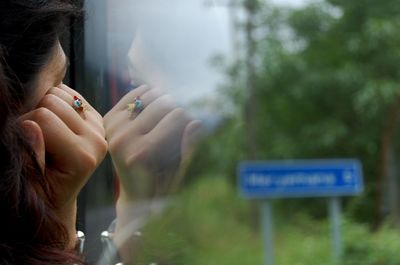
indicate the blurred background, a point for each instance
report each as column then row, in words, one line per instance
column 271, row 80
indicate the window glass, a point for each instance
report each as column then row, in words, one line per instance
column 296, row 159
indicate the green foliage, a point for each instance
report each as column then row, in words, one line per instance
column 219, row 153
column 209, row 224
column 364, row 248
column 327, row 78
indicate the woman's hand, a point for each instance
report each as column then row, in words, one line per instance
column 147, row 147
column 69, row 144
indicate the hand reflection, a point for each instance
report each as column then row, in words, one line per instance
column 147, row 148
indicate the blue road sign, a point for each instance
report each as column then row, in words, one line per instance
column 300, row 178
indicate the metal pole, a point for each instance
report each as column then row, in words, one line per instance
column 335, row 214
column 267, row 231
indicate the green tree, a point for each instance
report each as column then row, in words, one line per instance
column 325, row 84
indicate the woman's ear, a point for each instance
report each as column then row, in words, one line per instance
column 34, row 135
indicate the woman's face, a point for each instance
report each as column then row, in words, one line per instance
column 142, row 68
column 51, row 75
column 68, row 140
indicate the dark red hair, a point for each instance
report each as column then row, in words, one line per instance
column 30, row 231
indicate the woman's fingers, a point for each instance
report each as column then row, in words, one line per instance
column 128, row 98
column 191, row 136
column 88, row 113
column 69, row 158
column 162, row 156
column 61, row 143
column 147, row 147
column 160, row 148
column 65, row 112
column 61, row 94
column 93, row 132
column 71, row 146
column 85, row 136
column 154, row 113
column 73, row 94
column 168, row 134
column 116, row 116
column 34, row 135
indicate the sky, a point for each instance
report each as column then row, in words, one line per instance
column 175, row 42
column 294, row 3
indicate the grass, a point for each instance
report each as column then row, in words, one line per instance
column 209, row 224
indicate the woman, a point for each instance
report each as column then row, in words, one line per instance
column 51, row 139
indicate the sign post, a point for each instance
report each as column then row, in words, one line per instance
column 335, row 214
column 298, row 179
column 268, row 231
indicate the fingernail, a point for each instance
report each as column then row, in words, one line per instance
column 196, row 128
